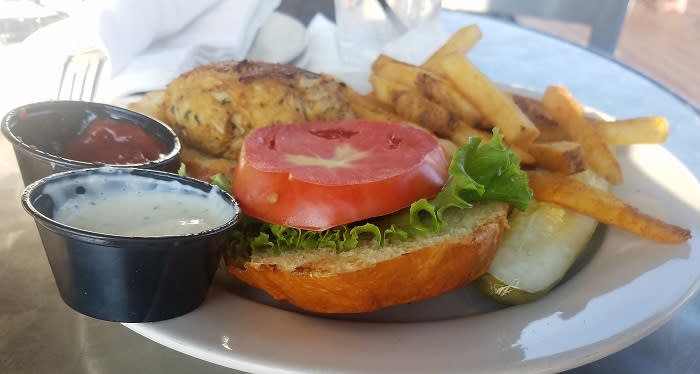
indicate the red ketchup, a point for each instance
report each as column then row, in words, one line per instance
column 115, row 142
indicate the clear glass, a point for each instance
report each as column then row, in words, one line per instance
column 365, row 26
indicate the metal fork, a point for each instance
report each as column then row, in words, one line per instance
column 80, row 75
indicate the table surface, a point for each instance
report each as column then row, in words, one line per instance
column 39, row 333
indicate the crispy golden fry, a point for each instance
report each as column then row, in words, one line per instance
column 550, row 131
column 368, row 107
column 395, row 70
column 641, row 130
column 561, row 156
column 363, row 109
column 443, row 92
column 387, row 91
column 603, row 206
column 459, row 43
column 648, row 130
column 424, row 113
column 568, row 113
column 496, row 107
column 463, row 133
column 380, row 62
column 430, row 85
column 437, row 119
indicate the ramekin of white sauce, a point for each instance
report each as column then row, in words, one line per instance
column 116, row 203
column 131, row 245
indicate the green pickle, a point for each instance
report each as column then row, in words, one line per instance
column 538, row 249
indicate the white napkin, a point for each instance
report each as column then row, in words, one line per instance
column 150, row 42
column 415, row 46
column 124, row 28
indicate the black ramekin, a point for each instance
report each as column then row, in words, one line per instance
column 122, row 278
column 39, row 133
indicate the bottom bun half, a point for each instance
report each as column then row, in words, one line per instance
column 369, row 278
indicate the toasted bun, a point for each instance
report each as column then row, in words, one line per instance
column 369, row 278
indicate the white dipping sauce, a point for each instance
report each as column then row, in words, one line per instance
column 130, row 205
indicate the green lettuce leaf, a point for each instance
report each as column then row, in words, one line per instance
column 218, row 180
column 182, row 170
column 487, row 172
column 221, row 181
column 477, row 173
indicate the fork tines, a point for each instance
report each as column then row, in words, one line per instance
column 80, row 76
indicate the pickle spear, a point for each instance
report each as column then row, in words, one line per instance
column 538, row 249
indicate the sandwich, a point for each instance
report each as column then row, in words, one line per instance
column 400, row 229
column 353, row 216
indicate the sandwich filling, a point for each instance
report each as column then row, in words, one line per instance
column 477, row 173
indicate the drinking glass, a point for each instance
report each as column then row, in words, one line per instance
column 364, row 27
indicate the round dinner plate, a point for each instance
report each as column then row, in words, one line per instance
column 622, row 289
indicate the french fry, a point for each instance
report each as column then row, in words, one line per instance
column 410, row 105
column 496, row 107
column 641, row 130
column 394, row 70
column 462, row 134
column 459, row 43
column 443, row 92
column 366, row 108
column 647, row 130
column 431, row 86
column 380, row 62
column 568, row 113
column 603, row 206
column 561, row 156
column 437, row 119
column 533, row 109
column 387, row 91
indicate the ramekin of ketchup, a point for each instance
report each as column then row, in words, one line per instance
column 112, row 141
column 54, row 136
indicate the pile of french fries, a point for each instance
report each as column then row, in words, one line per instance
column 553, row 136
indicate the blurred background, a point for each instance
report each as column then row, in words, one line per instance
column 654, row 32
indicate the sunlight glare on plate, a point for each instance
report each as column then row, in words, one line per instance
column 656, row 169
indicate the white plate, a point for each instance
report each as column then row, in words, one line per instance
column 267, row 45
column 620, row 291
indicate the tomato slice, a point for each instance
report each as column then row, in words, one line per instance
column 324, row 174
